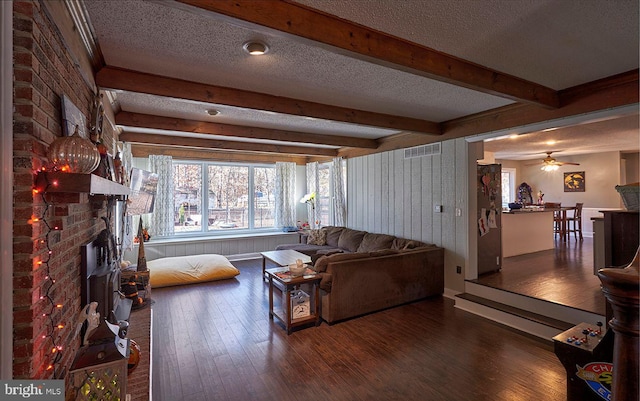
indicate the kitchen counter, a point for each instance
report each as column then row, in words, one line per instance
column 526, row 231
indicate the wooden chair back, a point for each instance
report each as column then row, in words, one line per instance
column 578, row 212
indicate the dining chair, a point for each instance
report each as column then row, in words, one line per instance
column 557, row 216
column 574, row 222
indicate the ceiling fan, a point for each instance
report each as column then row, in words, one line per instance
column 551, row 164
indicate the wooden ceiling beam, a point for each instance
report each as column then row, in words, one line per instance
column 609, row 93
column 203, row 127
column 140, row 150
column 169, row 140
column 377, row 47
column 134, row 81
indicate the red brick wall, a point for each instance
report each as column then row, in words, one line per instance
column 44, row 69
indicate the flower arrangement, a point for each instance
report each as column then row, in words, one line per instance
column 309, row 199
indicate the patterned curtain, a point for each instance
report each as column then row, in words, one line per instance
column 339, row 205
column 127, row 231
column 285, row 194
column 312, row 187
column 162, row 220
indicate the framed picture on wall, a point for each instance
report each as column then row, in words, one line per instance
column 72, row 117
column 574, row 181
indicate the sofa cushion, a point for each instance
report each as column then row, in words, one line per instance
column 383, row 252
column 350, row 239
column 373, row 242
column 323, row 252
column 403, row 244
column 323, row 262
column 307, row 249
column 317, row 237
column 333, row 234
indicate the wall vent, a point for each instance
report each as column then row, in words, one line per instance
column 422, row 150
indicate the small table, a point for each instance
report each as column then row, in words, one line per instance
column 283, row 258
column 290, row 284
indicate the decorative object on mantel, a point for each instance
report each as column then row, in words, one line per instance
column 142, row 260
column 92, row 317
column 97, row 117
column 73, row 118
column 74, row 154
column 134, row 356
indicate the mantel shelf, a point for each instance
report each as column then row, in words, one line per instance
column 75, row 183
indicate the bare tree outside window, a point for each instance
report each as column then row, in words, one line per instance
column 187, row 197
column 263, row 197
column 237, row 197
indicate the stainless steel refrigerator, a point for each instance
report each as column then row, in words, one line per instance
column 489, row 221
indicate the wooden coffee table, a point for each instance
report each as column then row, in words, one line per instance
column 288, row 284
column 283, row 258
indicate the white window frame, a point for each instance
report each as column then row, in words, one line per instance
column 511, row 191
column 204, row 201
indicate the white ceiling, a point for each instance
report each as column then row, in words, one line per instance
column 557, row 44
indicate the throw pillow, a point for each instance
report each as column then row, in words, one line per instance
column 317, row 237
column 375, row 242
column 350, row 239
column 333, row 234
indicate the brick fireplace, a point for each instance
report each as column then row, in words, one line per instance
column 48, row 62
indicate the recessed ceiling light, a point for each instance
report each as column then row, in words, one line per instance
column 255, row 48
column 551, row 142
column 213, row 112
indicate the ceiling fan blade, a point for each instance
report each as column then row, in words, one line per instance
column 563, row 163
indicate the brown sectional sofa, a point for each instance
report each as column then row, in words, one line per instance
column 364, row 272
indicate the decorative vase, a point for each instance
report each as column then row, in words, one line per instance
column 134, row 356
column 74, row 154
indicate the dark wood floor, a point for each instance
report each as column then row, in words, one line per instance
column 562, row 275
column 214, row 341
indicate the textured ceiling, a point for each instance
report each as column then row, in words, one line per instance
column 557, row 44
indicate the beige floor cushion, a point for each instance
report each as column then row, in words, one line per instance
column 180, row 270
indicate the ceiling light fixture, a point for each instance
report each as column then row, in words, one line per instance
column 213, row 112
column 550, row 167
column 255, row 48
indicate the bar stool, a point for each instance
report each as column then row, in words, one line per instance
column 574, row 223
column 557, row 216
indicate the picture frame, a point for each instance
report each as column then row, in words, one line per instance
column 72, row 117
column 574, row 181
column 111, row 171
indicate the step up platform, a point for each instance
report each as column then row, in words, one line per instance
column 534, row 316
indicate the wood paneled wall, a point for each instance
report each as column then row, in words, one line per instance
column 389, row 194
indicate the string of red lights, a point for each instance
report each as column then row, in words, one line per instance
column 53, row 326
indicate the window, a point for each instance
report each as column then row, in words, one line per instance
column 239, row 197
column 508, row 186
column 325, row 194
